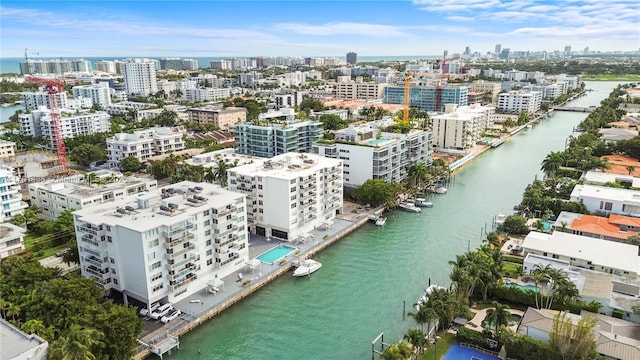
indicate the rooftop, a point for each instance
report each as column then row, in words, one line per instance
column 78, row 185
column 287, row 166
column 152, row 209
column 14, row 342
column 610, row 254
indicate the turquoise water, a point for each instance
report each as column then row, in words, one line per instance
column 546, row 225
column 367, row 276
column 276, row 253
column 377, row 141
column 524, row 287
column 457, row 352
column 514, row 319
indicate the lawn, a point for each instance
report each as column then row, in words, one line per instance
column 30, row 241
column 611, row 77
column 441, row 348
column 511, row 269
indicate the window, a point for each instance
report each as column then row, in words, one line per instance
column 155, row 265
column 153, row 243
column 209, row 252
column 209, row 262
column 208, row 242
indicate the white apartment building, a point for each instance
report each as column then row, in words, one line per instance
column 550, row 91
column 275, row 138
column 99, row 94
column 190, row 64
column 143, row 144
column 607, row 200
column 516, row 101
column 7, row 150
column 11, row 240
column 38, row 124
column 359, row 90
column 582, row 251
column 106, row 66
column 572, row 81
column 83, row 191
column 10, row 197
column 461, row 127
column 206, row 94
column 36, row 100
column 220, row 64
column 227, row 155
column 123, row 108
column 289, row 194
column 288, row 100
column 140, row 77
column 368, row 153
column 166, row 244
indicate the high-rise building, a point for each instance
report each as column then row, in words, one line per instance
column 461, row 127
column 567, row 50
column 165, row 244
column 498, row 49
column 516, row 101
column 38, row 123
column 504, row 54
column 171, row 64
column 10, row 197
column 427, row 97
column 143, row 144
column 140, row 77
column 99, row 94
column 352, row 58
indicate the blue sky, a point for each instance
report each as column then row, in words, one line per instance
column 312, row 28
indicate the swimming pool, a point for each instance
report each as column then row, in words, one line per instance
column 274, row 254
column 524, row 287
column 457, row 352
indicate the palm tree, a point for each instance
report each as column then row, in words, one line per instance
column 397, row 351
column 416, row 338
column 13, row 310
column 424, row 315
column 77, row 344
column 220, row 173
column 493, row 240
column 499, row 315
column 33, row 326
column 552, row 163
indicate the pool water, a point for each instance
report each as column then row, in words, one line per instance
column 457, row 352
column 275, row 254
column 514, row 319
column 546, row 226
column 524, row 287
column 377, row 141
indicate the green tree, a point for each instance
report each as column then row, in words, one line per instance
column 130, row 163
column 397, row 351
column 573, row 341
column 499, row 314
column 416, row 338
column 552, row 163
column 332, row 122
column 423, row 315
column 515, row 224
column 374, row 192
column 77, row 344
column 85, row 154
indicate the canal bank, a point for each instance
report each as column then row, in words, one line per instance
column 368, row 274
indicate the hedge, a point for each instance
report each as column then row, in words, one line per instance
column 527, row 348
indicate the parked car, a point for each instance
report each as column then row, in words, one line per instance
column 171, row 316
column 147, row 311
column 161, row 311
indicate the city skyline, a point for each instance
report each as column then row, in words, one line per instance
column 312, row 28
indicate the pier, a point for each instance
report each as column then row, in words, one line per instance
column 573, row 108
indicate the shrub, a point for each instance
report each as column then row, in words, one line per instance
column 246, row 282
column 526, row 347
column 617, row 313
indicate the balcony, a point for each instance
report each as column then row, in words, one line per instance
column 100, row 274
column 93, row 261
column 171, row 242
column 175, row 286
column 173, row 264
column 175, row 254
column 173, row 231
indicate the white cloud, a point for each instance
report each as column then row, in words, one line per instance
column 342, row 28
column 460, row 18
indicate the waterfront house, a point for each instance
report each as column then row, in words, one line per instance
column 607, row 200
column 613, row 228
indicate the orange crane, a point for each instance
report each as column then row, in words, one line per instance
column 438, row 99
column 53, row 88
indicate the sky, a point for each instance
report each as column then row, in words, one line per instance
column 213, row 28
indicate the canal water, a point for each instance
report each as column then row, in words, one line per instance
column 366, row 277
column 7, row 111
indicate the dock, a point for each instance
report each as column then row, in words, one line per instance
column 573, row 108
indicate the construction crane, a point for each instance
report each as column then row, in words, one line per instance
column 53, row 88
column 441, row 82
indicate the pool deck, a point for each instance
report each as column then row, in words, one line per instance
column 202, row 306
column 481, row 314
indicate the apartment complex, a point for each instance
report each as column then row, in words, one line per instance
column 352, row 90
column 206, row 94
column 166, row 244
column 516, row 101
column 275, row 138
column 11, row 240
column 7, row 150
column 143, row 144
column 369, row 153
column 99, row 94
column 428, row 98
column 461, row 127
column 54, row 66
column 607, row 200
column 82, row 191
column 38, row 99
column 38, row 123
column 222, row 118
column 289, row 194
column 10, row 197
column 140, row 77
column 486, row 87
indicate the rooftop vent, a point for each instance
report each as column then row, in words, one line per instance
column 191, row 200
column 129, row 208
column 165, row 208
column 198, row 189
column 172, row 205
column 121, row 211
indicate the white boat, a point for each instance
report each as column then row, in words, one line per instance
column 422, row 202
column 440, row 190
column 307, row 267
column 380, row 221
column 422, row 300
column 500, row 218
column 410, row 207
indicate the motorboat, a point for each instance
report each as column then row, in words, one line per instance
column 500, row 218
column 380, row 221
column 422, row 300
column 410, row 207
column 422, row 202
column 440, row 189
column 307, row 267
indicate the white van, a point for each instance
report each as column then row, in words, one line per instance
column 161, row 311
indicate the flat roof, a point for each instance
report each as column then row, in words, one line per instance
column 14, row 342
column 286, row 166
column 611, row 254
column 604, row 192
column 599, row 177
column 77, row 186
column 130, row 212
